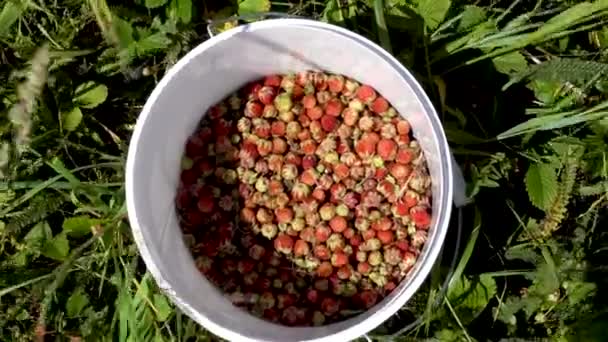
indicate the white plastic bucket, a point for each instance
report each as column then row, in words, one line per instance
column 206, row 75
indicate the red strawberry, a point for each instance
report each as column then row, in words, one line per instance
column 350, row 116
column 253, row 109
column 329, row 123
column 421, row 217
column 273, row 80
column 338, row 224
column 387, row 149
column 322, row 252
column 301, row 248
column 335, row 83
column 380, row 105
column 206, row 203
column 365, row 148
column 266, row 94
column 325, row 269
column 330, row 306
column 309, row 101
column 386, row 237
column 399, row 171
column 278, row 128
column 403, row 127
column 333, row 107
column 283, row 215
column 404, row 156
column 283, row 243
column 339, row 259
column 366, row 94
column 314, row 113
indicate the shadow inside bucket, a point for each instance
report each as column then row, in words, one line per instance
column 219, row 197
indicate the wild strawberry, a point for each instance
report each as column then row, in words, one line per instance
column 409, row 259
column 283, row 215
column 288, row 83
column 337, row 191
column 283, row 102
column 368, row 298
column 390, row 286
column 341, row 171
column 388, row 131
column 387, row 149
column 206, row 203
column 419, row 238
column 293, row 129
column 253, row 109
column 279, row 146
column 289, row 172
column 285, row 300
column 392, row 256
column 308, row 234
column 269, row 230
column 403, row 127
column 314, row 113
column 319, row 79
column 304, row 122
column 344, row 272
column 308, row 147
column 323, row 97
column 322, row 233
column 339, row 259
column 386, row 236
column 261, row 184
column 350, row 116
column 363, row 267
column 380, row 105
column 309, row 177
column 273, row 80
column 335, row 83
column 256, row 252
column 399, row 171
column 329, row 123
column 366, row 123
column 335, row 242
column 290, row 315
column 309, row 101
column 404, row 156
column 264, row 216
column 383, row 224
column 309, row 162
column 243, row 125
column 277, row 128
column 264, row 147
column 283, row 243
column 356, row 105
column 312, row 219
column 322, row 252
column 327, row 212
column 301, row 248
column 333, row 107
column 374, row 258
column 325, row 269
column 365, row 148
column 287, row 116
column 372, row 244
column 303, row 78
column 266, row 94
column 344, row 132
column 403, row 140
column 366, row 94
column 325, row 182
column 338, row 224
column 420, row 216
column 300, row 191
column 318, row 194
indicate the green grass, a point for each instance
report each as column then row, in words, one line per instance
column 521, row 88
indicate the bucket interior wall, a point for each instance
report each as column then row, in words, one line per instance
column 206, row 75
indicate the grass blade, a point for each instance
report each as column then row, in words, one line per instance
column 383, row 36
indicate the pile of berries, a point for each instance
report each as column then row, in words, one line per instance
column 304, row 198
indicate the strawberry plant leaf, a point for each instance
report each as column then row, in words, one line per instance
column 38, row 235
column 510, row 63
column 180, row 10
column 90, row 95
column 72, row 119
column 163, row 309
column 79, row 226
column 541, row 184
column 11, row 12
column 474, row 295
column 433, row 11
column 471, row 16
column 57, row 248
column 155, row 3
column 254, row 6
column 76, row 303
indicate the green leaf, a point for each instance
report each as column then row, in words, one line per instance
column 72, row 119
column 541, row 184
column 155, row 3
column 253, row 6
column 77, row 301
column 471, row 16
column 433, row 11
column 472, row 295
column 510, row 63
column 180, row 10
column 38, row 235
column 57, row 248
column 90, row 95
column 60, row 168
column 79, row 226
column 11, row 12
column 163, row 309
